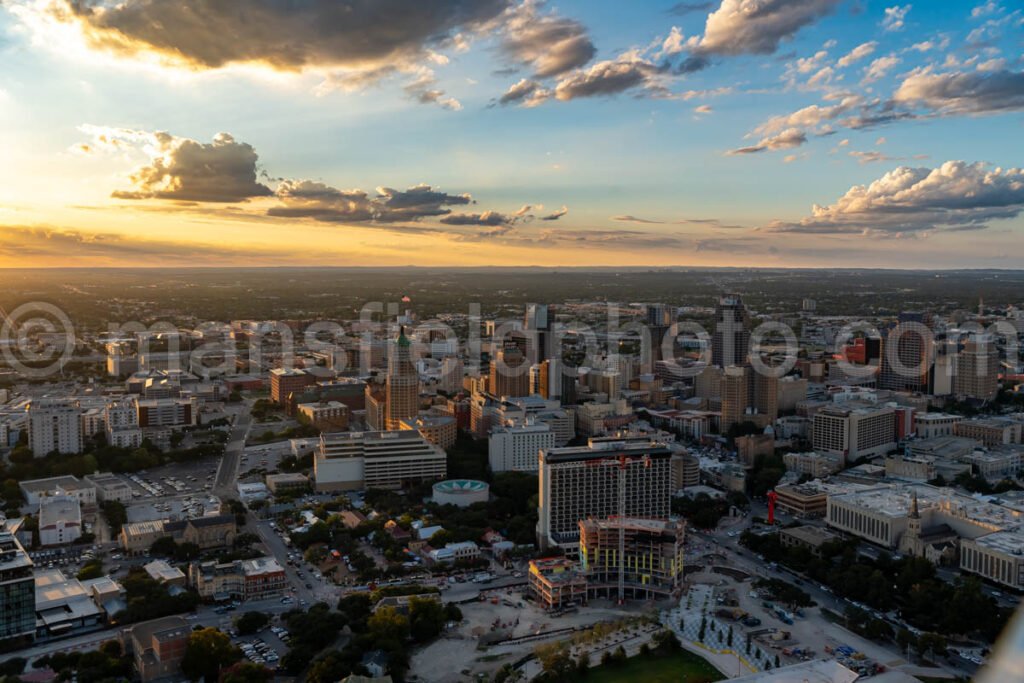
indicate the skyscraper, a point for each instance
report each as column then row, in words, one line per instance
column 658, row 318
column 539, row 338
column 402, row 386
column 735, row 396
column 584, row 481
column 510, row 373
column 766, row 395
column 730, row 344
column 17, row 589
column 977, row 369
column 907, row 355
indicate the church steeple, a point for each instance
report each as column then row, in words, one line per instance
column 914, row 512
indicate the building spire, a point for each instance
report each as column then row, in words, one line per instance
column 914, row 514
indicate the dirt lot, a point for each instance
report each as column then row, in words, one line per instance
column 455, row 656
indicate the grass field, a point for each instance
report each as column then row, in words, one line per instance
column 652, row 669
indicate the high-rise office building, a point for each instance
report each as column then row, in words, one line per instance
column 658, row 318
column 510, row 373
column 977, row 369
column 402, row 386
column 735, row 396
column 54, row 425
column 537, row 324
column 766, row 395
column 730, row 344
column 906, row 356
column 584, row 481
column 17, row 589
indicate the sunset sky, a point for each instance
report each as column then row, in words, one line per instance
column 472, row 132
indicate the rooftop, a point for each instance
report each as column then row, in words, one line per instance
column 49, row 484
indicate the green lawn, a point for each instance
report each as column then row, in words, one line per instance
column 652, row 669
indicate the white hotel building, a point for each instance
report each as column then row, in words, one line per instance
column 516, row 447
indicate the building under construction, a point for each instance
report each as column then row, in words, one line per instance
column 651, row 566
column 557, row 583
column 624, row 558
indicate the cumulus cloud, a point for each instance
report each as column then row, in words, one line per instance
column 787, row 139
column 740, row 27
column 488, row 218
column 324, row 203
column 273, row 33
column 425, row 91
column 856, row 54
column 548, row 44
column 182, row 169
column 226, row 171
column 879, row 68
column 814, row 118
column 528, row 93
column 894, row 19
column 955, row 196
column 976, row 92
column 990, row 7
column 609, row 77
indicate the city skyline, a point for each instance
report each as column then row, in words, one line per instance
column 814, row 133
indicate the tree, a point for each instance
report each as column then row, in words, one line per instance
column 583, row 664
column 389, row 625
column 251, row 622
column 329, row 668
column 93, row 569
column 426, row 619
column 246, row 672
column 208, row 651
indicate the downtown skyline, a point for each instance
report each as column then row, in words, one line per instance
column 812, row 133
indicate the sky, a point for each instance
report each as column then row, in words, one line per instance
column 774, row 133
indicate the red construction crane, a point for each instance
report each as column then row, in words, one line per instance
column 772, row 497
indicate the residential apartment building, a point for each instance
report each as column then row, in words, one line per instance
column 54, row 425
